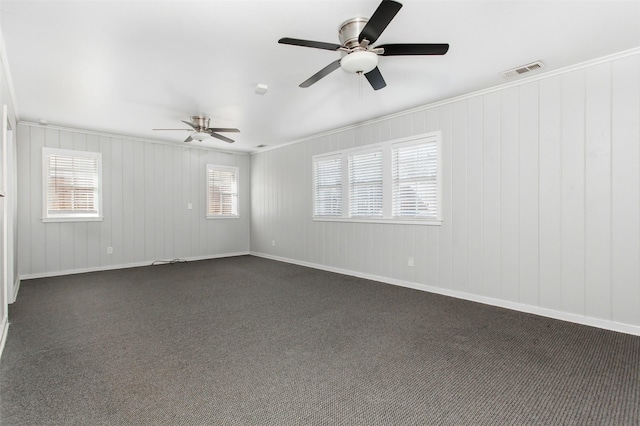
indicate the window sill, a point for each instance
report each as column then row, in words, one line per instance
column 223, row 217
column 427, row 222
column 72, row 219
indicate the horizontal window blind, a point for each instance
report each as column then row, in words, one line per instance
column 222, row 191
column 72, row 184
column 414, row 180
column 327, row 174
column 365, row 184
column 396, row 181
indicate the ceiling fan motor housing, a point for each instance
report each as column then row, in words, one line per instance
column 200, row 122
column 350, row 30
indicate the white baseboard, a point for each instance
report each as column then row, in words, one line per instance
column 16, row 287
column 4, row 330
column 530, row 309
column 122, row 266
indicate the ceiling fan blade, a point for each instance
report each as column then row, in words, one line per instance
column 413, row 49
column 309, row 43
column 188, row 139
column 385, row 12
column 222, row 138
column 190, row 124
column 322, row 73
column 375, row 79
column 188, row 130
column 222, row 129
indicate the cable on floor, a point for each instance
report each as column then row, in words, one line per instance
column 170, row 262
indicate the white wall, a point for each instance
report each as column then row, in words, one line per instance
column 7, row 176
column 541, row 206
column 146, row 189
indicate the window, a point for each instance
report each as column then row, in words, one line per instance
column 327, row 194
column 365, row 184
column 222, row 191
column 72, row 183
column 396, row 181
column 415, row 180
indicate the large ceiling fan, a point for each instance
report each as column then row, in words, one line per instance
column 200, row 130
column 359, row 56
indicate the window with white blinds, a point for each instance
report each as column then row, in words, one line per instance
column 415, row 180
column 222, row 191
column 365, row 184
column 395, row 181
column 327, row 178
column 72, row 185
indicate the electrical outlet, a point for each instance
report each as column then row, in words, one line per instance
column 410, row 262
column 189, row 206
column 273, row 243
column 109, row 250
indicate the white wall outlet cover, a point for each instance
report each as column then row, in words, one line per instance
column 189, row 206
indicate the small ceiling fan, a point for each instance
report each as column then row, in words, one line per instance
column 359, row 56
column 201, row 130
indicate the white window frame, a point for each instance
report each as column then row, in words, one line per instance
column 387, row 182
column 215, row 167
column 70, row 217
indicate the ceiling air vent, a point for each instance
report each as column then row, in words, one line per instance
column 523, row 69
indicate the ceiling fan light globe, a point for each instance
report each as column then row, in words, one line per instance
column 200, row 136
column 359, row 62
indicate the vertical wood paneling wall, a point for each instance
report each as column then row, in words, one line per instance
column 8, row 285
column 541, row 199
column 146, row 189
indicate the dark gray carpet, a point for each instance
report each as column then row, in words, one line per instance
column 249, row 341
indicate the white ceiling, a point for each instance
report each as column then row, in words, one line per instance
column 126, row 67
